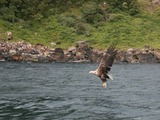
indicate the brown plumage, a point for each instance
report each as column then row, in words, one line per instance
column 105, row 65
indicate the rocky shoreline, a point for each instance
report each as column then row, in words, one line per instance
column 81, row 52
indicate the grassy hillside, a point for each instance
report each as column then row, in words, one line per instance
column 68, row 27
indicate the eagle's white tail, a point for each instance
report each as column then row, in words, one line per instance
column 110, row 76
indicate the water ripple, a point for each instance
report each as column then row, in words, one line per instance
column 65, row 91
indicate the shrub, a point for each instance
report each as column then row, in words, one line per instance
column 38, row 17
column 115, row 17
column 133, row 11
column 8, row 14
column 126, row 5
column 91, row 13
column 80, row 28
column 67, row 21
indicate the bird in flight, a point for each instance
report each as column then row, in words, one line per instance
column 105, row 65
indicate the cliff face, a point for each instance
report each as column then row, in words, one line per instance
column 21, row 51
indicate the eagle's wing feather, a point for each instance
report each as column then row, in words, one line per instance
column 107, row 60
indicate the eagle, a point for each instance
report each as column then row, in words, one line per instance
column 105, row 65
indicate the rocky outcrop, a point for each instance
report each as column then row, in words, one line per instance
column 81, row 53
column 21, row 51
column 145, row 55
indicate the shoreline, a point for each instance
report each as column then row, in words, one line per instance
column 81, row 53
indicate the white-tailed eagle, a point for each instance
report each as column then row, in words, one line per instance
column 105, row 65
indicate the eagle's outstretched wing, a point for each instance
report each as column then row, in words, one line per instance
column 107, row 60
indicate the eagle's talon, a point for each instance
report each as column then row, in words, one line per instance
column 104, row 84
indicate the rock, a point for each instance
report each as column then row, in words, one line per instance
column 42, row 58
column 83, row 48
column 29, row 57
column 72, row 49
column 79, row 56
column 16, row 58
column 9, row 35
column 51, row 59
column 69, row 56
column 130, row 50
column 96, row 56
column 58, row 55
column 6, row 56
column 129, row 57
column 2, row 59
column 145, row 57
column 12, row 52
column 81, row 44
column 53, row 43
column 3, row 49
column 157, row 54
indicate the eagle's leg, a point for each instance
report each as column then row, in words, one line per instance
column 104, row 81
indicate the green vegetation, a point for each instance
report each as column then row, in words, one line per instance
column 64, row 22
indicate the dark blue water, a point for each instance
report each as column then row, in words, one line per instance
column 65, row 91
